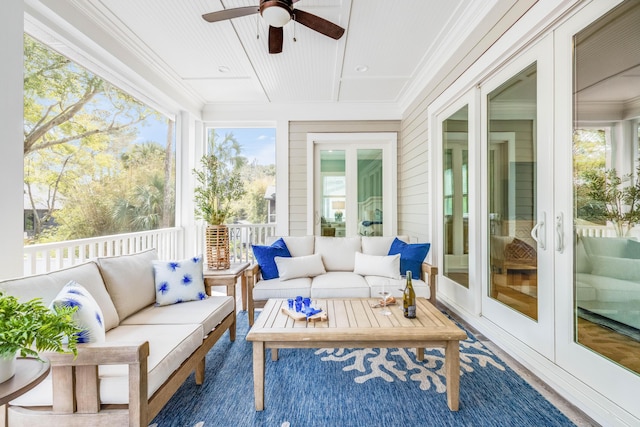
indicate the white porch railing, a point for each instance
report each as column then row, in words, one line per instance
column 46, row 257
column 241, row 237
column 595, row 231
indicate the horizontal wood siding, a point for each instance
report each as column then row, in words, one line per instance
column 414, row 176
column 298, row 160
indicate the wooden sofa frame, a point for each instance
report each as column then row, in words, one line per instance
column 76, row 393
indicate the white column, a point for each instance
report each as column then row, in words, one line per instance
column 191, row 148
column 11, row 138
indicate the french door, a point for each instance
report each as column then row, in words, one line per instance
column 517, row 203
column 354, row 184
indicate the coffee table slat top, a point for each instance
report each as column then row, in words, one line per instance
column 354, row 319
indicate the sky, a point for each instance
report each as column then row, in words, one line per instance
column 257, row 143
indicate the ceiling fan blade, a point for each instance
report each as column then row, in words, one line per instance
column 221, row 15
column 318, row 24
column 275, row 39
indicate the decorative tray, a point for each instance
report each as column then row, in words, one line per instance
column 320, row 316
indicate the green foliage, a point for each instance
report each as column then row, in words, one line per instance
column 615, row 198
column 81, row 153
column 31, row 327
column 217, row 187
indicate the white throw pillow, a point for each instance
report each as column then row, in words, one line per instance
column 88, row 317
column 179, row 281
column 377, row 265
column 301, row 266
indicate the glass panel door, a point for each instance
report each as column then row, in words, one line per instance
column 512, row 193
column 606, row 186
column 518, row 187
column 370, row 195
column 353, row 178
column 333, row 192
column 455, row 141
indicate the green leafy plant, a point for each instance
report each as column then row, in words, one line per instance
column 29, row 327
column 615, row 198
column 217, row 187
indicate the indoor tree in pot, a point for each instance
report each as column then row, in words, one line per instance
column 29, row 327
column 217, row 187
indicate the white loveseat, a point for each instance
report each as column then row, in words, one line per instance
column 148, row 352
column 608, row 278
column 345, row 275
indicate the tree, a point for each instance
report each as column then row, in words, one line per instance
column 65, row 103
column 76, row 127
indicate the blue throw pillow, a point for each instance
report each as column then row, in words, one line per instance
column 265, row 255
column 411, row 255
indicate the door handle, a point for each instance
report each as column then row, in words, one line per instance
column 559, row 235
column 535, row 231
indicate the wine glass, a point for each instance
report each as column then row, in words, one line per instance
column 385, row 311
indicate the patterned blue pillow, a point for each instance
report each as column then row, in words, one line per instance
column 179, row 281
column 411, row 256
column 265, row 256
column 88, row 317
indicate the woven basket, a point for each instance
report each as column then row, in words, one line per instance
column 217, row 240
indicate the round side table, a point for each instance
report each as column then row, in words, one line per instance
column 29, row 373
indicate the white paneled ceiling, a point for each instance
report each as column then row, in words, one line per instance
column 386, row 46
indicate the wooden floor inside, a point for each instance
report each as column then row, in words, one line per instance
column 617, row 347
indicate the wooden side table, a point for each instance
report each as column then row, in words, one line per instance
column 228, row 278
column 29, row 373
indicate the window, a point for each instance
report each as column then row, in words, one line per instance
column 97, row 161
column 252, row 151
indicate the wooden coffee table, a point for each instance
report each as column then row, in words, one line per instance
column 353, row 323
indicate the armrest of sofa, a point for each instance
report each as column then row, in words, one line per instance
column 431, row 272
column 81, row 373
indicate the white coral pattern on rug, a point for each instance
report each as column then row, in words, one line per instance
column 383, row 363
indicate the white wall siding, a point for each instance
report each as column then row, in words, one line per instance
column 298, row 160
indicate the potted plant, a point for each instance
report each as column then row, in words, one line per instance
column 615, row 198
column 217, row 187
column 29, row 327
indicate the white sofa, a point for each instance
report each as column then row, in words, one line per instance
column 148, row 351
column 608, row 278
column 344, row 275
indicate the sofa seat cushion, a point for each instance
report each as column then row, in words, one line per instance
column 339, row 284
column 169, row 347
column 395, row 287
column 47, row 286
column 607, row 289
column 276, row 288
column 208, row 312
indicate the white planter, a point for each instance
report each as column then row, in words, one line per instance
column 7, row 368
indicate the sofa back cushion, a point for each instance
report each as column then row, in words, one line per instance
column 129, row 280
column 299, row 245
column 606, row 246
column 47, row 286
column 338, row 253
column 379, row 245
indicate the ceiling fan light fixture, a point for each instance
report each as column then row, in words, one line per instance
column 276, row 15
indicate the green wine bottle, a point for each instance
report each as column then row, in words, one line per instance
column 409, row 299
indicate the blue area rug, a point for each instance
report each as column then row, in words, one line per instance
column 355, row 387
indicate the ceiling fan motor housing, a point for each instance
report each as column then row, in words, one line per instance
column 279, row 15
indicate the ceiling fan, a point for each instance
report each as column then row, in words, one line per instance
column 277, row 13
